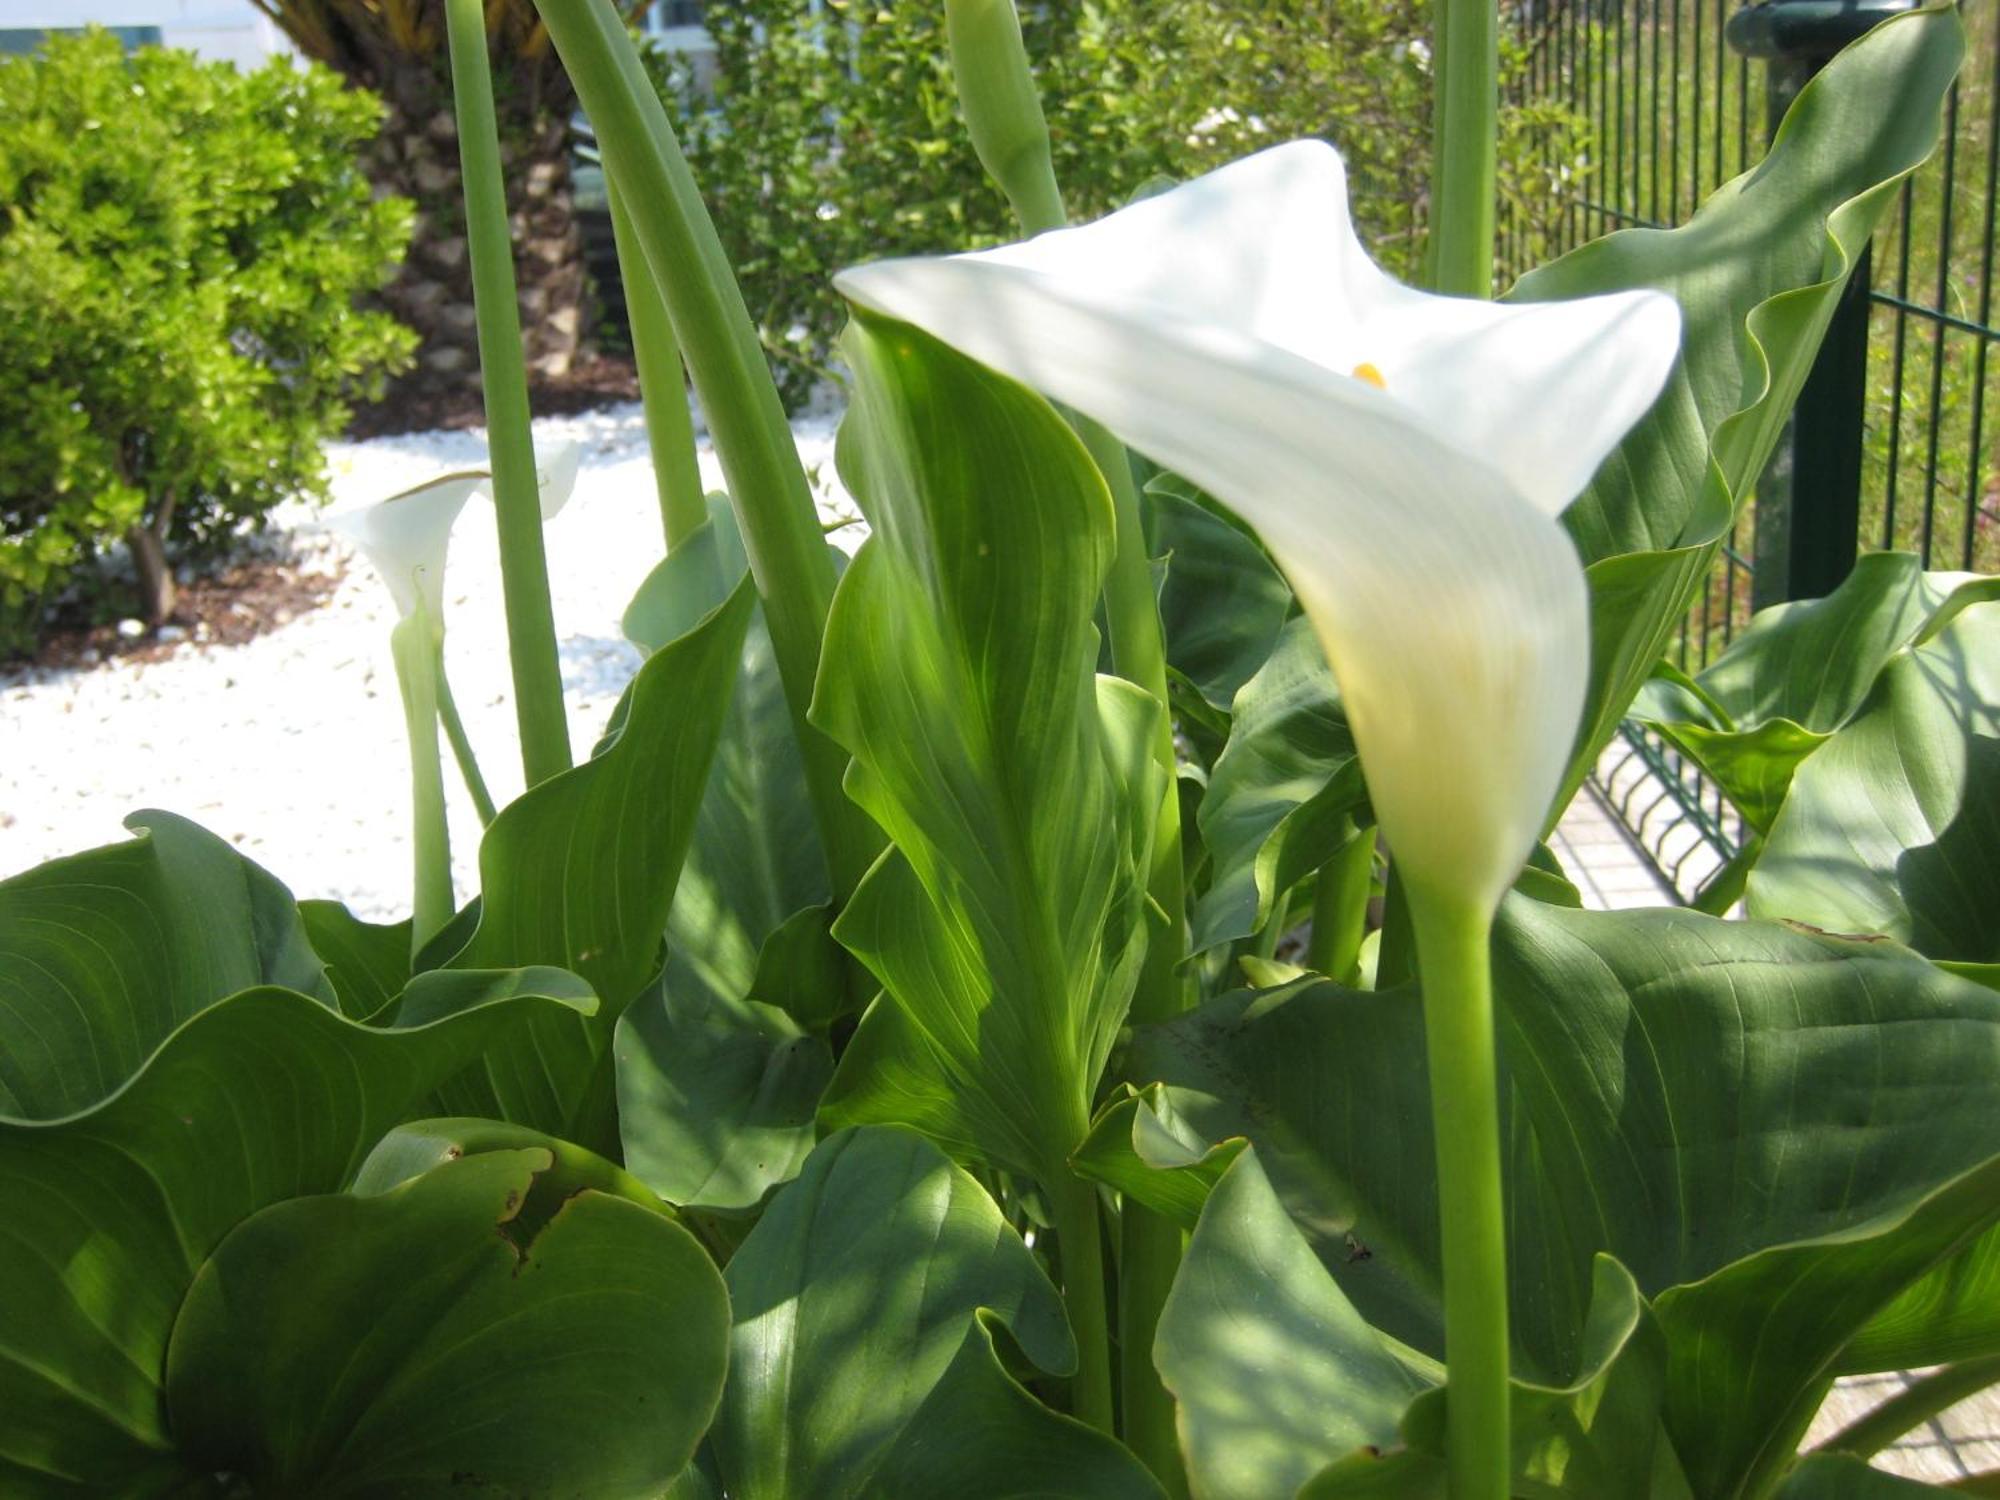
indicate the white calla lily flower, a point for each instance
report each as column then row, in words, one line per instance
column 408, row 535
column 1403, row 455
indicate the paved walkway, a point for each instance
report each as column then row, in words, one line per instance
column 1608, row 869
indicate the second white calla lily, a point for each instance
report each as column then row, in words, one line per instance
column 1403, row 455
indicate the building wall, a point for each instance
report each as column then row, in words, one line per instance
column 223, row 30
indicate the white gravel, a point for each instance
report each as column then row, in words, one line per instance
column 291, row 746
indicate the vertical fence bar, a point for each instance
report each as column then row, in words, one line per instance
column 1975, row 456
column 1946, row 189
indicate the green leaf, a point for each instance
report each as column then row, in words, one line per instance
column 861, row 1361
column 1140, row 1146
column 263, row 1096
column 579, row 873
column 716, row 1093
column 1833, row 1476
column 1894, row 826
column 424, row 1339
column 1006, row 924
column 1652, row 520
column 1777, row 1131
column 1275, row 1372
column 367, row 962
column 1281, row 792
column 1222, row 601
column 103, row 954
column 1799, row 673
column 1953, row 1314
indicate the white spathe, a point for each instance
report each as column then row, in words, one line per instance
column 408, row 535
column 1218, row 328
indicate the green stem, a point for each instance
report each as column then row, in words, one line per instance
column 767, row 485
column 1074, row 1204
column 1464, row 124
column 1340, row 907
column 1274, row 929
column 1936, row 1392
column 461, row 748
column 662, row 385
column 1454, row 958
column 517, row 505
column 1395, row 956
column 414, row 645
column 1003, row 115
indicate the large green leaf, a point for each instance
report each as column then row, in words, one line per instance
column 862, row 1362
column 1757, row 272
column 1776, row 1131
column 262, row 1096
column 1799, row 673
column 579, row 873
column 1006, row 923
column 1275, row 1372
column 716, row 1091
column 367, row 962
column 1834, row 1476
column 1282, row 791
column 1222, row 600
column 1951, row 1315
column 1894, row 825
column 103, row 954
column 447, row 1335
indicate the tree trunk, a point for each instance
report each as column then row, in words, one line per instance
column 156, row 578
column 416, row 156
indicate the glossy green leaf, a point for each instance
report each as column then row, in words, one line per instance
column 860, row 1361
column 716, row 1094
column 1275, row 1372
column 1742, row 1113
column 1280, row 794
column 1799, row 673
column 1222, row 601
column 1894, row 825
column 1006, row 923
column 1952, row 1314
column 579, row 872
column 1653, row 518
column 263, row 1096
column 368, row 963
column 104, row 954
column 429, row 1339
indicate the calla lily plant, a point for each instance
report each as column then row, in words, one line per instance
column 1404, row 456
column 407, row 538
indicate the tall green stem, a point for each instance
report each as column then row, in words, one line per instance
column 662, row 386
column 461, row 749
column 414, row 645
column 1003, row 115
column 767, row 485
column 1454, row 960
column 1340, row 907
column 1074, row 1204
column 517, row 504
column 1936, row 1392
column 1464, row 124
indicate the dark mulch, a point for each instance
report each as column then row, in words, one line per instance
column 596, row 380
column 243, row 600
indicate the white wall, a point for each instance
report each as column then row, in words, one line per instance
column 225, row 30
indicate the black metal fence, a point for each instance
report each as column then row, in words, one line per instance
column 1649, row 110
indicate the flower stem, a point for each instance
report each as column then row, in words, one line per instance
column 1003, row 113
column 662, row 385
column 517, row 505
column 461, row 748
column 1454, row 961
column 1464, row 150
column 414, row 646
column 1074, row 1205
column 1340, row 907
column 767, row 485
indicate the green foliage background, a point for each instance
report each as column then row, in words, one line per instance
column 181, row 251
column 829, row 134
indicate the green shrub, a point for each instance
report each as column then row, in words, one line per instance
column 181, row 250
column 828, row 134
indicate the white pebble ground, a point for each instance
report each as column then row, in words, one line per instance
column 291, row 746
